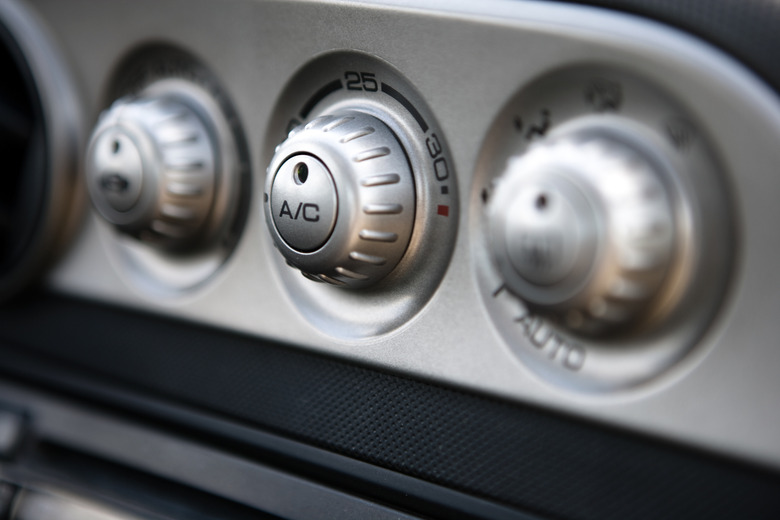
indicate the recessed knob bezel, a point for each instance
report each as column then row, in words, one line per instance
column 601, row 360
column 149, row 263
column 340, row 82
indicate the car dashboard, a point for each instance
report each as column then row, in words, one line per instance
column 388, row 259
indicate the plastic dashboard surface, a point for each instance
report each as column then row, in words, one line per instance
column 386, row 375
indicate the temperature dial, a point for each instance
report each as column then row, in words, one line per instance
column 340, row 199
column 153, row 166
column 582, row 227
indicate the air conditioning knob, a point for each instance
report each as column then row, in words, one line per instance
column 340, row 199
column 582, row 227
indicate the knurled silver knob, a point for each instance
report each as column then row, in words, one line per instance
column 582, row 227
column 340, row 199
column 152, row 168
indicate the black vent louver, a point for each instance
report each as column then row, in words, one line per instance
column 23, row 177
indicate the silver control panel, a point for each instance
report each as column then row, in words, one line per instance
column 549, row 203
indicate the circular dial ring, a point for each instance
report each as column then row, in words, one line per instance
column 341, row 82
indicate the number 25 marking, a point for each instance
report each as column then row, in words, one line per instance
column 361, row 81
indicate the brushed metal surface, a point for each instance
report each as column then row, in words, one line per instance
column 466, row 60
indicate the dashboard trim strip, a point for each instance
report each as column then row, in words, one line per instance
column 513, row 454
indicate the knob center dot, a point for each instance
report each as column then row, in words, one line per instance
column 301, row 173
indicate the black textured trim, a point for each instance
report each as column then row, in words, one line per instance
column 513, row 454
column 747, row 29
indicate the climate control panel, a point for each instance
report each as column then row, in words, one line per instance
column 480, row 196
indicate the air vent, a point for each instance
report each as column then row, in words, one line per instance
column 39, row 142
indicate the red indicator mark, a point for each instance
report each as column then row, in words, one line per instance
column 444, row 211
